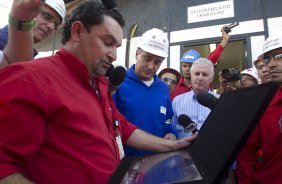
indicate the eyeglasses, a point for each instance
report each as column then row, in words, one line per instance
column 168, row 80
column 48, row 17
column 260, row 66
column 268, row 58
column 247, row 78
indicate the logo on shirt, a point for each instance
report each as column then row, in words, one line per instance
column 163, row 110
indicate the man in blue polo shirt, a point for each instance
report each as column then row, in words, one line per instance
column 143, row 98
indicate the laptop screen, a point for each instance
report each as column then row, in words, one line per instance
column 228, row 127
column 169, row 167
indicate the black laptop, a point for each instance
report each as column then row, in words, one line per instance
column 209, row 158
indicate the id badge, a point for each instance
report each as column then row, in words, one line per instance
column 120, row 147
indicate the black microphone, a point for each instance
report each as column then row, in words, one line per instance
column 109, row 4
column 187, row 123
column 206, row 99
column 116, row 77
column 110, row 71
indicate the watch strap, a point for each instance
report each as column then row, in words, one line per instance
column 23, row 25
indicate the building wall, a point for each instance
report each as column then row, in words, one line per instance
column 257, row 19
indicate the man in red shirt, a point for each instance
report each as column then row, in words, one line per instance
column 186, row 62
column 59, row 123
column 268, row 134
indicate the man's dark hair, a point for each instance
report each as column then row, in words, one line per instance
column 90, row 13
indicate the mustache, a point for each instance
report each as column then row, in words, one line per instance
column 107, row 60
column 275, row 70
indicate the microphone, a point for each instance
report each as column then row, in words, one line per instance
column 116, row 77
column 206, row 99
column 109, row 4
column 187, row 123
column 110, row 71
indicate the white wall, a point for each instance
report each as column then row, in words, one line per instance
column 175, row 57
column 121, row 54
column 274, row 24
column 5, row 6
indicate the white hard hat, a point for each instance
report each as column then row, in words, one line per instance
column 274, row 41
column 259, row 57
column 155, row 42
column 58, row 6
column 252, row 72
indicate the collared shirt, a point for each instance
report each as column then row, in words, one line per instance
column 179, row 89
column 187, row 104
column 58, row 131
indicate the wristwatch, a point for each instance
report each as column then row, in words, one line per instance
column 23, row 25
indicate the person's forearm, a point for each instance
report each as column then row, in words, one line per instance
column 223, row 42
column 144, row 141
column 19, row 46
column 20, row 42
column 225, row 38
column 16, row 178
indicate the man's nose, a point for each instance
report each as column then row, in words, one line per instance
column 150, row 65
column 51, row 26
column 112, row 55
column 200, row 76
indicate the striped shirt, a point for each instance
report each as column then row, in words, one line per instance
column 187, row 103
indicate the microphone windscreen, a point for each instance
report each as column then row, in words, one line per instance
column 184, row 120
column 206, row 99
column 110, row 71
column 109, row 4
column 117, row 76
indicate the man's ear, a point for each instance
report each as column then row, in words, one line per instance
column 76, row 29
column 136, row 53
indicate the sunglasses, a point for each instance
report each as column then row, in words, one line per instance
column 168, row 80
column 268, row 58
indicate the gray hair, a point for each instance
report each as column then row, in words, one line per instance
column 204, row 61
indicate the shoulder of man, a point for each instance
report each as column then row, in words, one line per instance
column 3, row 37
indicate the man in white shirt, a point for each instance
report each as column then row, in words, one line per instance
column 202, row 72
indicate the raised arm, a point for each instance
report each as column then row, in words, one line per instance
column 20, row 41
column 215, row 55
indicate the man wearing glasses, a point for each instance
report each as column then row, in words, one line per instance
column 262, row 69
column 171, row 77
column 268, row 135
column 49, row 19
column 249, row 77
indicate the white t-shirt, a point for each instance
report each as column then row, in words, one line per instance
column 1, row 56
column 148, row 83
